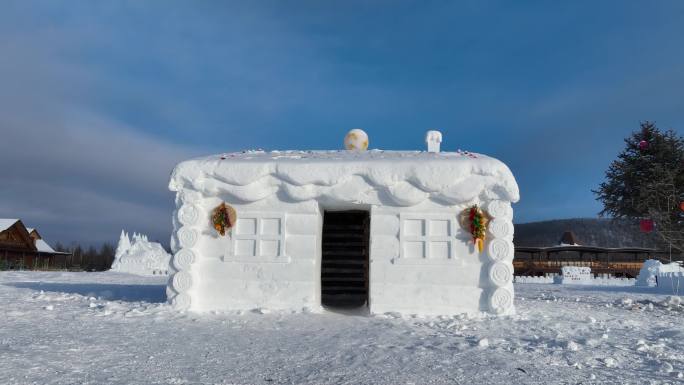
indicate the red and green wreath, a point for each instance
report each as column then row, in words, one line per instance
column 475, row 220
column 223, row 218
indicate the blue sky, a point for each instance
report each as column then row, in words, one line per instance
column 99, row 99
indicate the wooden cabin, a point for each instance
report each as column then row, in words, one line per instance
column 619, row 262
column 24, row 248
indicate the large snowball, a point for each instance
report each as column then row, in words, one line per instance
column 356, row 140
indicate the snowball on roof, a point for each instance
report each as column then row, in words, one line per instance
column 399, row 178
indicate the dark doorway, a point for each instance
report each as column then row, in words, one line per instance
column 344, row 265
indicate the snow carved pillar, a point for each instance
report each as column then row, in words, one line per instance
column 500, row 251
column 187, row 235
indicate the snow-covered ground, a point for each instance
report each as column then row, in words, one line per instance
column 114, row 328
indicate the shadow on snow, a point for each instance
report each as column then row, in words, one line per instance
column 106, row 291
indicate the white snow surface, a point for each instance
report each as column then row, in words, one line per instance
column 401, row 178
column 140, row 256
column 6, row 223
column 42, row 246
column 115, row 328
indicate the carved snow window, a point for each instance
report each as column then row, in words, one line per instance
column 259, row 238
column 427, row 237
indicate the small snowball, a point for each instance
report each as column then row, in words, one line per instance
column 642, row 348
column 610, row 362
column 572, row 346
column 483, row 343
column 49, row 307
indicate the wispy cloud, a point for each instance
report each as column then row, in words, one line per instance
column 99, row 100
column 74, row 172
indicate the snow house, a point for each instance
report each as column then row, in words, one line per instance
column 378, row 230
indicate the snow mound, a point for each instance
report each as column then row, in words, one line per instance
column 647, row 274
column 140, row 256
column 533, row 279
column 668, row 277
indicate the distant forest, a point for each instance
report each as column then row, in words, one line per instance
column 88, row 259
column 589, row 232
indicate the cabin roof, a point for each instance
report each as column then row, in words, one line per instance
column 43, row 247
column 6, row 223
column 39, row 244
column 569, row 239
column 402, row 178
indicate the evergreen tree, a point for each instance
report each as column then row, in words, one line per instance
column 647, row 182
column 107, row 255
column 90, row 258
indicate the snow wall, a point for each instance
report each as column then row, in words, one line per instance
column 671, row 283
column 577, row 275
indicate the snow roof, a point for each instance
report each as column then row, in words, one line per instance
column 42, row 246
column 401, row 178
column 569, row 239
column 6, row 223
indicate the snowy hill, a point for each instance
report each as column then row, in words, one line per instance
column 140, row 256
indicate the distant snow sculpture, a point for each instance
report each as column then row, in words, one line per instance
column 433, row 140
column 648, row 273
column 667, row 277
column 578, row 275
column 140, row 256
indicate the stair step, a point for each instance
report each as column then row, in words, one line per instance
column 344, row 254
column 332, row 279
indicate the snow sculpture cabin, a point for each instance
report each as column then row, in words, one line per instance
column 341, row 229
